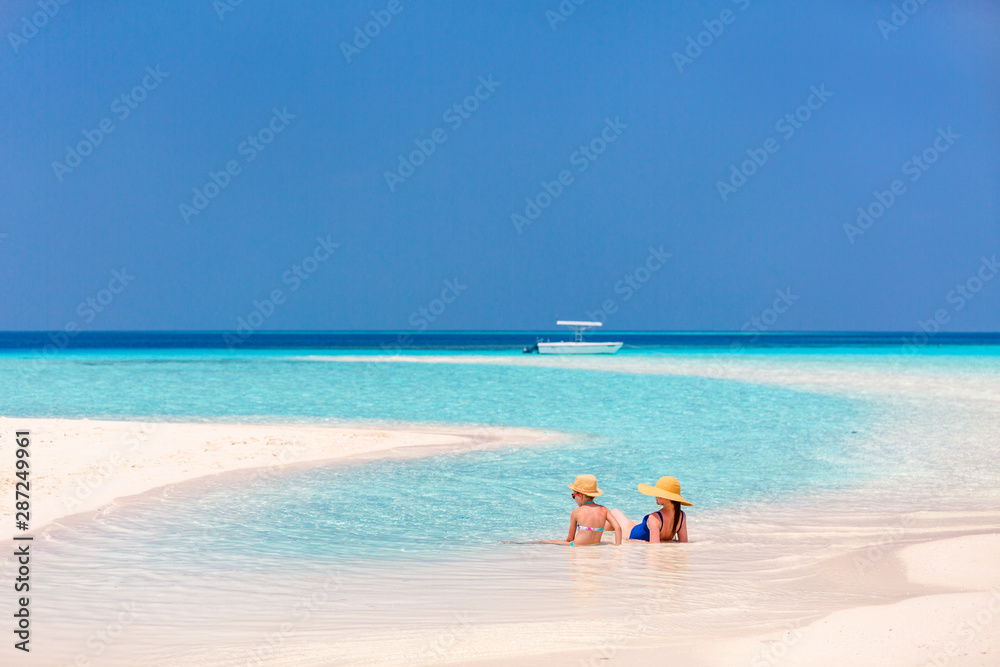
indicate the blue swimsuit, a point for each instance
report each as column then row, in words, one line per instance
column 640, row 531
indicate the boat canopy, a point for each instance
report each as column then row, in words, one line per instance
column 569, row 323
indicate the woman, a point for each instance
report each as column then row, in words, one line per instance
column 663, row 525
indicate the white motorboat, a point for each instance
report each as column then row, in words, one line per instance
column 577, row 345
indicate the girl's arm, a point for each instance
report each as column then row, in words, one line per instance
column 572, row 527
column 614, row 524
column 682, row 533
column 568, row 541
column 654, row 524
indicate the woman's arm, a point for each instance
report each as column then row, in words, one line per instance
column 682, row 532
column 654, row 524
column 614, row 524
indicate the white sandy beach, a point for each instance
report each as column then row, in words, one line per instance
column 79, row 465
column 948, row 588
column 950, row 616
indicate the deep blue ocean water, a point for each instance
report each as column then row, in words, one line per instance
column 55, row 341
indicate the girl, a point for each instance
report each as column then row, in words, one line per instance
column 661, row 526
column 589, row 520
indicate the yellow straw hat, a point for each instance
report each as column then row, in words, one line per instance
column 587, row 485
column 666, row 487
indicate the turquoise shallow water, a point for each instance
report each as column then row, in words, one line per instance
column 729, row 442
column 418, row 540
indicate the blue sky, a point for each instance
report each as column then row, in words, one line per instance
column 642, row 138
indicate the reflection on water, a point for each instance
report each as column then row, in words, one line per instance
column 738, row 575
column 603, row 578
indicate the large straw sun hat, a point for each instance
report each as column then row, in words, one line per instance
column 666, row 487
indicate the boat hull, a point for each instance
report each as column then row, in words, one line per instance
column 578, row 348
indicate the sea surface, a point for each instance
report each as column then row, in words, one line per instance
column 393, row 561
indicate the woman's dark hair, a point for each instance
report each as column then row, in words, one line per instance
column 677, row 518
